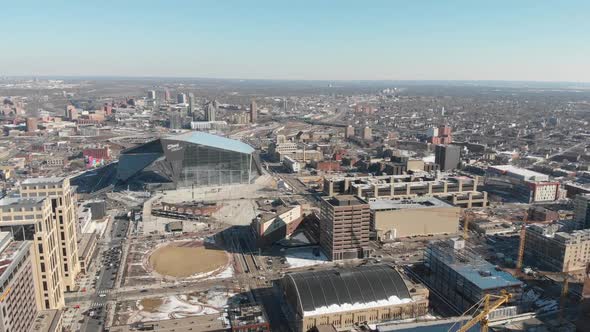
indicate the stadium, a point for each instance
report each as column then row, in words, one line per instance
column 191, row 159
column 194, row 158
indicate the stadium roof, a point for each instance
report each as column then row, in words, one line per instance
column 219, row 142
column 331, row 290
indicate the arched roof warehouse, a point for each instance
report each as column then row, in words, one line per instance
column 319, row 290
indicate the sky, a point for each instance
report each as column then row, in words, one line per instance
column 520, row 40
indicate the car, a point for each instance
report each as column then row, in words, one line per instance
column 102, row 295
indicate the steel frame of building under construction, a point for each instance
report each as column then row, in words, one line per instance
column 464, row 278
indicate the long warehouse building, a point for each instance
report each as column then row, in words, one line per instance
column 348, row 296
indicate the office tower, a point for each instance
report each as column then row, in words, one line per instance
column 285, row 105
column 31, row 125
column 71, row 112
column 253, row 111
column 447, row 157
column 349, row 132
column 181, row 98
column 175, row 120
column 582, row 210
column 151, row 95
column 344, row 227
column 18, row 306
column 367, row 133
column 191, row 104
column 64, row 215
column 167, row 96
column 30, row 219
column 210, row 112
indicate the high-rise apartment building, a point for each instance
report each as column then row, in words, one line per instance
column 210, row 111
column 30, row 219
column 253, row 111
column 447, row 157
column 151, row 95
column 549, row 249
column 64, row 215
column 191, row 105
column 344, row 227
column 582, row 210
column 18, row 306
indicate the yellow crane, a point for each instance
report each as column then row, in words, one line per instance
column 521, row 243
column 482, row 316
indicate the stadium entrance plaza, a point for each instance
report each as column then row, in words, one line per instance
column 237, row 202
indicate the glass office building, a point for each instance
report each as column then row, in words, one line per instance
column 191, row 159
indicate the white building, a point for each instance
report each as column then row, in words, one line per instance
column 524, row 184
column 291, row 164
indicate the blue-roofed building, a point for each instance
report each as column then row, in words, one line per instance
column 190, row 159
column 463, row 277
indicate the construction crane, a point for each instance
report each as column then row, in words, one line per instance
column 564, row 290
column 482, row 317
column 521, row 244
column 566, row 277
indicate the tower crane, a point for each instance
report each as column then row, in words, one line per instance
column 482, row 316
column 522, row 242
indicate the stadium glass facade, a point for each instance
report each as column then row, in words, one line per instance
column 193, row 159
column 202, row 165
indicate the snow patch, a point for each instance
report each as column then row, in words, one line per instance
column 303, row 258
column 334, row 308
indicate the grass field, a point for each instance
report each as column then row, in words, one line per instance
column 183, row 260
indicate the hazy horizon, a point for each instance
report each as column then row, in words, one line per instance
column 329, row 40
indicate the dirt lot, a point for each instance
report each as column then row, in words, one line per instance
column 184, row 259
column 151, row 304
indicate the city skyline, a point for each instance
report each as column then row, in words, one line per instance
column 332, row 40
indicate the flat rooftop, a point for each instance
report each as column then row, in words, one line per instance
column 10, row 252
column 212, row 322
column 46, row 320
column 18, row 202
column 527, row 174
column 247, row 315
column 44, row 180
column 345, row 200
column 472, row 267
column 415, row 203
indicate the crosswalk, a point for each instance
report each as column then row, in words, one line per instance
column 97, row 304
